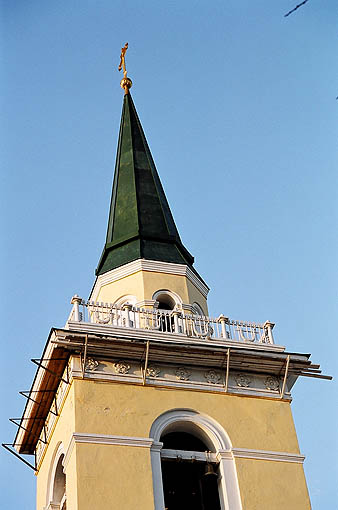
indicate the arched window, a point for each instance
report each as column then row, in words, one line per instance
column 166, row 299
column 59, row 489
column 165, row 302
column 197, row 309
column 122, row 312
column 56, row 494
column 124, row 300
column 192, row 463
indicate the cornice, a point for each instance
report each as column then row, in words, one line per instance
column 80, row 437
column 246, row 453
column 147, row 442
column 153, row 266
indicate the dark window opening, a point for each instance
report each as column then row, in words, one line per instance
column 164, row 306
column 190, row 485
column 166, row 321
column 183, row 441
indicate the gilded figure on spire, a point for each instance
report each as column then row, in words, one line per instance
column 126, row 82
column 122, row 61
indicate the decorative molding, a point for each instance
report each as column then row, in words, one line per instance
column 166, row 421
column 146, row 442
column 243, row 380
column 175, row 299
column 224, row 455
column 153, row 266
column 143, row 442
column 212, row 377
column 79, row 437
column 246, row 453
column 271, row 383
column 122, row 367
column 182, row 374
column 92, row 364
column 156, row 446
column 153, row 371
column 201, row 378
column 151, row 303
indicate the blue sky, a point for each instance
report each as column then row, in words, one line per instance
column 238, row 106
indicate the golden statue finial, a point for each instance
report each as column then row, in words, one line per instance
column 126, row 83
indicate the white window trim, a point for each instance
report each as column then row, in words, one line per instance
column 197, row 309
column 172, row 295
column 59, row 451
column 126, row 299
column 228, row 484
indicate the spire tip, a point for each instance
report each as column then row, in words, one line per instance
column 126, row 82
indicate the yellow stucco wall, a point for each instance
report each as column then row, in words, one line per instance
column 62, row 433
column 105, row 476
column 127, row 410
column 132, row 284
column 272, row 485
column 144, row 284
column 130, row 410
column 114, row 477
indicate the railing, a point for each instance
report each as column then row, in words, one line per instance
column 171, row 321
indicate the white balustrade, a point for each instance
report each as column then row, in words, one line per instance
column 174, row 321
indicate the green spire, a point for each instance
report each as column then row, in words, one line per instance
column 140, row 224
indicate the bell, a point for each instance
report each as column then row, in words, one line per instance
column 209, row 471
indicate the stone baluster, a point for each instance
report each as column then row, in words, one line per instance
column 126, row 308
column 268, row 327
column 176, row 314
column 76, row 301
column 223, row 321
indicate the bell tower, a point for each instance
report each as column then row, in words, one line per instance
column 143, row 400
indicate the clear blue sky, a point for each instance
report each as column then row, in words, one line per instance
column 238, row 105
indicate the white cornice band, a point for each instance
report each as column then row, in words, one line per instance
column 246, row 453
column 146, row 442
column 153, row 266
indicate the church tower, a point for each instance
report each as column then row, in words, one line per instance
column 145, row 401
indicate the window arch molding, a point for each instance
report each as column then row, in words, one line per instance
column 126, row 299
column 197, row 309
column 169, row 297
column 58, row 458
column 213, row 435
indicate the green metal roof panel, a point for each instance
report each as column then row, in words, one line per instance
column 139, row 208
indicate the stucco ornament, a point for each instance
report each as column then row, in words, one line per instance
column 271, row 383
column 243, row 380
column 153, row 371
column 91, row 364
column 212, row 377
column 182, row 374
column 122, row 367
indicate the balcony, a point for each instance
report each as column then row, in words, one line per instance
column 129, row 320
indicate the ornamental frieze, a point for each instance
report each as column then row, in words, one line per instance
column 122, row 367
column 212, row 377
column 271, row 383
column 182, row 374
column 153, row 371
column 243, row 380
column 91, row 364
